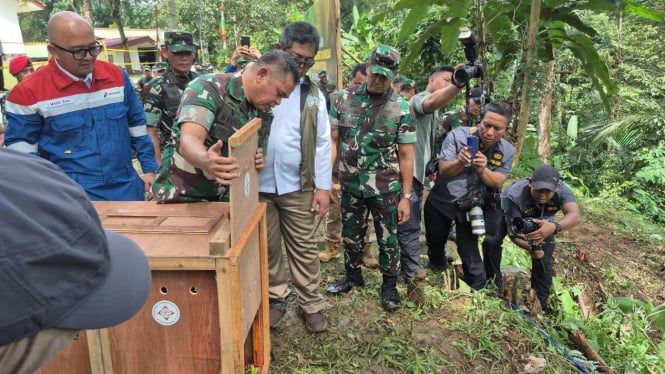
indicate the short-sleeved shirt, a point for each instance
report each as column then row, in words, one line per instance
column 370, row 128
column 521, row 203
column 467, row 184
column 161, row 99
column 425, row 128
column 217, row 102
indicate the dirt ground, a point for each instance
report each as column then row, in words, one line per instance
column 592, row 255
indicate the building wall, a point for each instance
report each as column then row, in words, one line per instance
column 12, row 41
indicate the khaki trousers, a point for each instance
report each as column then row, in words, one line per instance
column 31, row 353
column 289, row 220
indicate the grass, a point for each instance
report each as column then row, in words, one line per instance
column 460, row 331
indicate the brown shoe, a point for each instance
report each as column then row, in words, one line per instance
column 414, row 291
column 332, row 251
column 368, row 259
column 420, row 275
column 277, row 311
column 315, row 322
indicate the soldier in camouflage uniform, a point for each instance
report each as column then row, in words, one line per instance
column 161, row 95
column 457, row 118
column 196, row 166
column 374, row 126
column 326, row 87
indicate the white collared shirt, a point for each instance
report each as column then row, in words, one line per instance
column 87, row 80
column 281, row 174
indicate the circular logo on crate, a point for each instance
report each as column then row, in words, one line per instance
column 248, row 185
column 165, row 313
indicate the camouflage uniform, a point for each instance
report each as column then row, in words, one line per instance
column 449, row 121
column 327, row 88
column 218, row 103
column 370, row 128
column 162, row 94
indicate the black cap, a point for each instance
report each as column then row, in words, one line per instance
column 545, row 177
column 62, row 269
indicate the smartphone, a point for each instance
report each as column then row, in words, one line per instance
column 472, row 144
column 244, row 41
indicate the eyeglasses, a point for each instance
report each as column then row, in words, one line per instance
column 304, row 62
column 79, row 54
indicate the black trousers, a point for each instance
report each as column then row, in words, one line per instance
column 437, row 226
column 540, row 282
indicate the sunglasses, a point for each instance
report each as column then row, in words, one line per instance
column 308, row 63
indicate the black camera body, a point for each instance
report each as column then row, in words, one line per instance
column 432, row 166
column 526, row 225
column 466, row 204
column 473, row 68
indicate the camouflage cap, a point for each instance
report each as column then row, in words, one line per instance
column 161, row 66
column 323, row 73
column 146, row 68
column 179, row 41
column 384, row 60
column 408, row 82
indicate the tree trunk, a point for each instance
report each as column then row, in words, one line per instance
column 86, row 12
column 525, row 105
column 116, row 12
column 545, row 112
column 173, row 15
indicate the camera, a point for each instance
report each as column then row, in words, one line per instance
column 473, row 68
column 524, row 225
column 244, row 41
column 432, row 166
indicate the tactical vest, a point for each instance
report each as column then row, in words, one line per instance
column 309, row 112
column 229, row 119
column 172, row 89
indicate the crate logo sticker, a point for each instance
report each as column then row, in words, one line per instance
column 165, row 313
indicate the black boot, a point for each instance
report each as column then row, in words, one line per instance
column 353, row 278
column 390, row 300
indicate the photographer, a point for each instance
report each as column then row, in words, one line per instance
column 466, row 181
column 425, row 106
column 533, row 202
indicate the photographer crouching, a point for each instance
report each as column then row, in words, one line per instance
column 531, row 205
column 473, row 164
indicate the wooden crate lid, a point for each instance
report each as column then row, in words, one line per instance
column 170, row 230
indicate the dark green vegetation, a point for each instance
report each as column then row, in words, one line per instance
column 597, row 97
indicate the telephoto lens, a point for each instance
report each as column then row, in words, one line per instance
column 477, row 220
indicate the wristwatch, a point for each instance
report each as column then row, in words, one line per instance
column 558, row 227
column 406, row 196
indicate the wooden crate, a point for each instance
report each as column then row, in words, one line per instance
column 207, row 311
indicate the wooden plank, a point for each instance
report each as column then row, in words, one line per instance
column 226, row 322
column 221, row 241
column 244, row 195
column 241, row 136
column 261, row 329
column 181, row 263
column 189, row 344
column 74, row 359
column 170, row 230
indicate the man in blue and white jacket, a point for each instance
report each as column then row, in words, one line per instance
column 83, row 115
